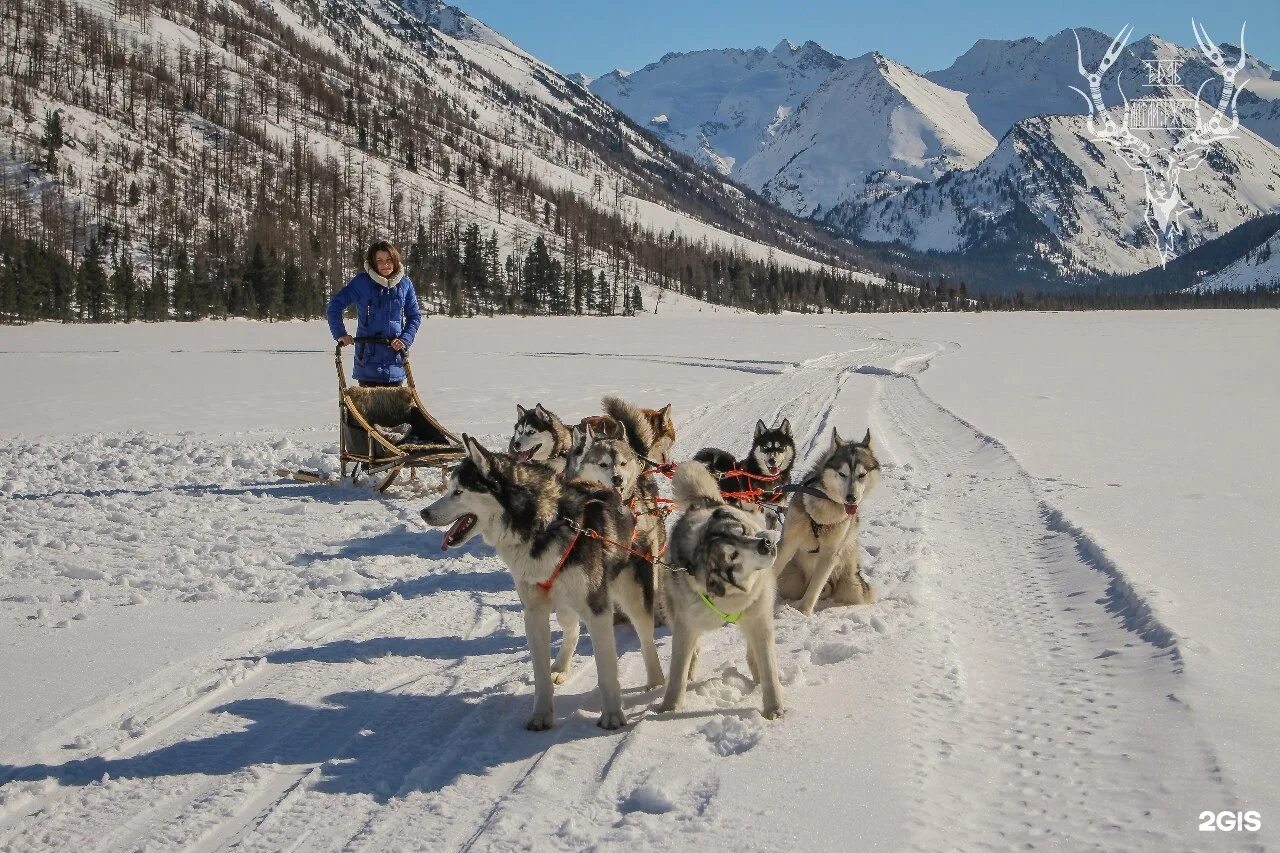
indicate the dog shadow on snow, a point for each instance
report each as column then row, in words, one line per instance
column 406, row 541
column 363, row 742
column 381, row 744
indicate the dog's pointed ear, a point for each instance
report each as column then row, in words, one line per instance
column 588, row 434
column 760, row 428
column 665, row 411
column 521, row 411
column 786, row 426
column 836, row 441
column 478, row 455
column 866, row 439
column 541, row 410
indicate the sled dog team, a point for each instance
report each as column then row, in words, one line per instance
column 577, row 516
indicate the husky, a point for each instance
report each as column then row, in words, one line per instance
column 719, row 569
column 612, row 462
column 651, row 432
column 768, row 464
column 820, row 530
column 539, row 436
column 534, row 519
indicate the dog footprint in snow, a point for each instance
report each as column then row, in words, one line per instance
column 726, row 689
column 731, row 734
column 827, row 652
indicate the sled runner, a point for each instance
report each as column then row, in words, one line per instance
column 385, row 430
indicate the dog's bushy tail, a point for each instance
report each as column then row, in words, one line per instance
column 720, row 461
column 694, row 488
column 640, row 433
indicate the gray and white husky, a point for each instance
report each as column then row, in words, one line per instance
column 820, row 533
column 524, row 510
column 613, row 463
column 718, row 570
column 539, row 436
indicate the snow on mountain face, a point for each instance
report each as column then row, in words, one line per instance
column 720, row 105
column 454, row 22
column 1049, row 193
column 873, row 126
column 1260, row 266
column 1009, row 80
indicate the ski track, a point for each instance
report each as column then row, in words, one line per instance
column 1026, row 665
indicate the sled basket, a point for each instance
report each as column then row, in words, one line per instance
column 362, row 411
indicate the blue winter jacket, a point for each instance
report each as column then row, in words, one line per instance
column 382, row 312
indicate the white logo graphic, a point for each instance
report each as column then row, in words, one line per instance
column 1162, row 167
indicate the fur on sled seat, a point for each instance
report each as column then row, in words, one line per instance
column 393, row 407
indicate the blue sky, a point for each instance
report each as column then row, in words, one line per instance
column 595, row 37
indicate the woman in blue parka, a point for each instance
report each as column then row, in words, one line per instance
column 386, row 307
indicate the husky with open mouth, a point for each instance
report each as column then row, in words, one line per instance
column 545, row 530
column 767, row 465
column 818, row 555
column 719, row 569
column 539, row 436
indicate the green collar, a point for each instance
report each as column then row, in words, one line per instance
column 731, row 618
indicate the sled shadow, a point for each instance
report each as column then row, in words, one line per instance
column 384, row 745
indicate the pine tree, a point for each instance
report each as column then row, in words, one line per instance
column 184, row 287
column 51, row 141
column 124, row 287
column 91, row 286
column 604, row 295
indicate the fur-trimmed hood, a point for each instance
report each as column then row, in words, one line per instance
column 384, row 282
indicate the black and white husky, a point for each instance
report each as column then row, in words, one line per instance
column 768, row 464
column 530, row 515
column 539, row 436
column 718, row 570
column 820, row 529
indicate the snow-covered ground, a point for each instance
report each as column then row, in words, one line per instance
column 1071, row 543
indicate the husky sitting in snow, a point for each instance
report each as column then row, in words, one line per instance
column 532, row 518
column 718, row 570
column 767, row 465
column 818, row 555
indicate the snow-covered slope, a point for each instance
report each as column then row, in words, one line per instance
column 373, row 115
column 1258, row 267
column 719, row 106
column 873, row 126
column 1049, row 194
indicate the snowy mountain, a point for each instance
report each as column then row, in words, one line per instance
column 719, row 106
column 873, row 126
column 1050, row 198
column 1009, row 80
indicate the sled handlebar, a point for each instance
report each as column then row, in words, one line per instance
column 404, row 353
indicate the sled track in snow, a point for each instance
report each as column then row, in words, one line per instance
column 1058, row 691
column 1025, row 662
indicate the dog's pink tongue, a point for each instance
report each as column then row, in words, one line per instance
column 455, row 530
column 850, row 509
